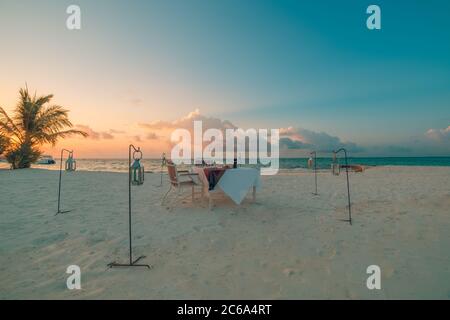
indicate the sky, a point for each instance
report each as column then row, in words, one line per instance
column 311, row 68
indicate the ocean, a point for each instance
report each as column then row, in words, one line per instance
column 154, row 165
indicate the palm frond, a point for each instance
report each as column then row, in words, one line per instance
column 43, row 99
column 52, row 138
column 8, row 127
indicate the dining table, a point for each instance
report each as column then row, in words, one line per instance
column 234, row 182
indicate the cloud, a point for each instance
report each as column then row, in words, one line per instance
column 95, row 135
column 113, row 131
column 389, row 150
column 294, row 141
column 137, row 138
column 161, row 130
column 106, row 135
column 392, row 149
column 439, row 135
column 293, row 144
column 151, row 136
column 187, row 123
column 435, row 141
column 290, row 138
column 137, row 102
column 299, row 138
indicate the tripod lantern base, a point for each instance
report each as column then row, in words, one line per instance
column 133, row 264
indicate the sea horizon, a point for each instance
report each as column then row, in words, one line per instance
column 323, row 163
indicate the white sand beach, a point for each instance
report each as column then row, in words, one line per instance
column 290, row 244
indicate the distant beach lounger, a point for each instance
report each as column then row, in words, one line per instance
column 354, row 167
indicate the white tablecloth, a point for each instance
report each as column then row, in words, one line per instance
column 236, row 183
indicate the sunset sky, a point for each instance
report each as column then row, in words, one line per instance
column 138, row 69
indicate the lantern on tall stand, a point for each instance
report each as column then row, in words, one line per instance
column 163, row 164
column 335, row 162
column 335, row 167
column 135, row 177
column 69, row 166
column 315, row 168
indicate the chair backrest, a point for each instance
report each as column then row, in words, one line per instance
column 173, row 173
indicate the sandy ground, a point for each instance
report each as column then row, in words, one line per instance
column 290, row 244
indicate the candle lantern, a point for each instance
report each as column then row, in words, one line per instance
column 137, row 169
column 71, row 164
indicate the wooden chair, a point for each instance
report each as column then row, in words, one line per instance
column 179, row 180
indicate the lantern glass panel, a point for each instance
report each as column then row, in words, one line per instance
column 137, row 173
column 71, row 164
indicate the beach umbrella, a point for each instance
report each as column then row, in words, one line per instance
column 135, row 177
column 70, row 166
column 335, row 162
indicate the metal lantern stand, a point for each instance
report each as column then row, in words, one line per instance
column 348, row 183
column 315, row 170
column 163, row 164
column 70, row 152
column 131, row 263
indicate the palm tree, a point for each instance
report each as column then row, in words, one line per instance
column 32, row 124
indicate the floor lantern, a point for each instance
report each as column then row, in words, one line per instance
column 69, row 166
column 136, row 178
column 163, row 164
column 313, row 153
column 335, row 167
column 348, row 183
